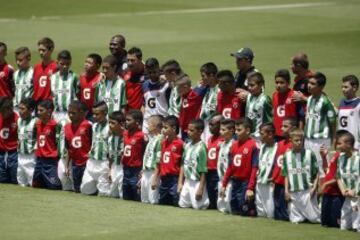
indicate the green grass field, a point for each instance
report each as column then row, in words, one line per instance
column 329, row 32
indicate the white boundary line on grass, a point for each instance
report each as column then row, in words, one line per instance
column 181, row 11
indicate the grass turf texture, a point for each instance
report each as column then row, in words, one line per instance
column 41, row 214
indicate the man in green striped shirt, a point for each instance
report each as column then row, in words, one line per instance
column 301, row 178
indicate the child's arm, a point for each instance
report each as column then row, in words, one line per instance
column 181, row 180
column 324, row 185
column 156, row 178
column 252, row 181
column 200, row 191
column 287, row 193
column 314, row 187
column 342, row 187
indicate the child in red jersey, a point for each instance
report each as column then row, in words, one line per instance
column 283, row 103
column 169, row 166
column 47, row 156
column 78, row 135
column 8, row 141
column 134, row 147
column 213, row 147
column 43, row 70
column 242, row 170
column 7, row 85
column 228, row 103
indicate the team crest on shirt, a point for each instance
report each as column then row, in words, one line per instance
column 48, row 132
column 173, row 149
column 133, row 142
column 235, row 105
column 82, row 132
column 2, row 74
column 288, row 101
column 50, row 73
column 13, row 125
column 245, row 151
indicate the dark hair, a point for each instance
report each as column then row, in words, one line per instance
column 352, row 79
column 209, row 68
column 283, row 73
column 29, row 103
column 229, row 123
column 111, row 60
column 226, row 75
column 47, row 104
column 64, row 54
column 257, row 77
column 172, row 66
column 78, row 105
column 301, row 59
column 136, row 115
column 173, row 122
column 6, row 102
column 152, row 63
column 101, row 104
column 244, row 121
column 135, row 51
column 121, row 38
column 2, row 44
column 198, row 124
column 24, row 50
column 343, row 133
column 320, row 79
column 117, row 116
column 293, row 121
column 47, row 42
column 96, row 57
column 269, row 127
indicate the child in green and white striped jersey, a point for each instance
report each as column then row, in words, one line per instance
column 23, row 77
column 27, row 141
column 264, row 199
column 227, row 131
column 258, row 105
column 116, row 149
column 151, row 159
column 301, row 179
column 348, row 179
column 65, row 87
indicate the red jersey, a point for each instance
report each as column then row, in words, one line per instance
column 244, row 162
column 6, row 80
column 333, row 189
column 213, row 147
column 229, row 105
column 283, row 107
column 41, row 79
column 190, row 107
column 87, row 89
column 78, row 142
column 46, row 139
column 283, row 146
column 8, row 133
column 134, row 148
column 171, row 154
column 135, row 95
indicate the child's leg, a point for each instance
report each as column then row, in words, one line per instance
column 21, row 171
column 153, row 194
column 281, row 206
column 203, row 203
column 131, row 179
column 295, row 206
column 66, row 181
column 212, row 180
column 311, row 210
column 77, row 175
column 103, row 181
column 326, row 207
column 185, row 199
column 11, row 159
column 145, row 185
column 223, row 204
column 238, row 201
column 354, row 215
column 346, row 215
column 119, row 179
column 88, row 183
column 37, row 180
column 264, row 200
column 114, row 185
column 50, row 175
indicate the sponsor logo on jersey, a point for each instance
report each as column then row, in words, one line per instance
column 43, row 81
column 280, row 110
column 173, row 149
column 212, row 153
column 133, row 141
column 76, row 142
column 245, row 151
column 237, row 160
column 4, row 133
column 87, row 93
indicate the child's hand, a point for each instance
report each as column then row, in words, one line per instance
column 323, row 151
column 297, row 96
column 179, row 188
column 322, row 188
column 249, row 195
column 350, row 193
column 287, row 196
column 222, row 192
column 67, row 171
column 312, row 191
column 109, row 176
column 154, row 183
column 199, row 194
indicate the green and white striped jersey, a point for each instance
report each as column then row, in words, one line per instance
column 224, row 158
column 208, row 106
column 64, row 89
column 320, row 113
column 113, row 93
column 266, row 163
column 348, row 170
column 100, row 142
column 174, row 102
column 116, row 148
column 24, row 85
column 26, row 135
column 300, row 168
column 152, row 152
column 258, row 110
column 194, row 160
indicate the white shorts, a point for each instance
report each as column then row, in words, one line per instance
column 96, row 178
column 147, row 194
column 117, row 174
column 66, row 181
column 303, row 207
column 264, row 200
column 188, row 196
column 350, row 217
column 314, row 145
column 223, row 204
column 25, row 170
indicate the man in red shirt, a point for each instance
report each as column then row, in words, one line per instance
column 134, row 78
column 7, row 85
column 8, row 141
column 43, row 70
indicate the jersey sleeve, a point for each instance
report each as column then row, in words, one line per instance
column 284, row 168
column 314, row 166
column 76, row 87
column 255, row 157
column 268, row 111
column 123, row 95
column 158, row 151
column 202, row 165
column 330, row 112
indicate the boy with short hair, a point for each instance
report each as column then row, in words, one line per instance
column 301, row 179
column 168, row 168
column 47, row 155
column 264, row 188
column 7, row 86
column 258, row 105
column 227, row 131
column 320, row 121
column 116, row 150
column 23, row 77
column 241, row 170
column 134, row 147
column 192, row 178
column 26, row 141
column 151, row 158
column 43, row 70
column 97, row 171
column 78, row 138
column 349, row 108
column 8, row 141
